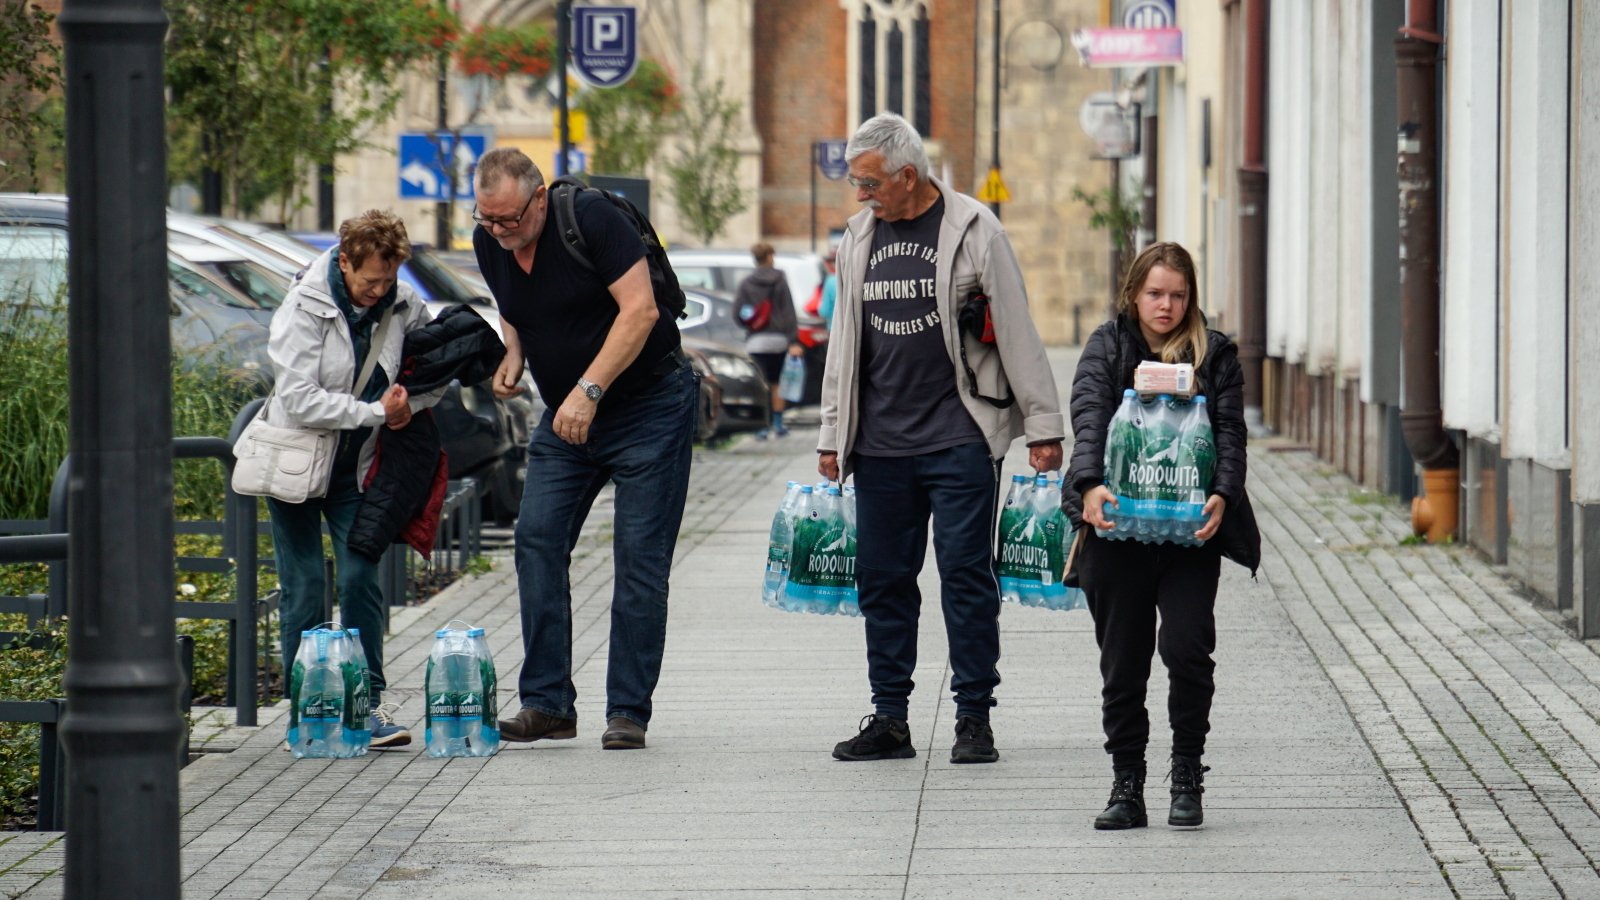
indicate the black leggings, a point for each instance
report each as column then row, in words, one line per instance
column 1126, row 584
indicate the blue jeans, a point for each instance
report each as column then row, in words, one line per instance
column 297, row 549
column 895, row 496
column 642, row 444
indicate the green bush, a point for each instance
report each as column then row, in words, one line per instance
column 28, row 673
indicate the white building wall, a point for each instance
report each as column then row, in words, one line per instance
column 1585, row 317
column 1288, row 200
column 1315, row 342
column 1534, row 304
column 1355, row 184
column 1470, row 282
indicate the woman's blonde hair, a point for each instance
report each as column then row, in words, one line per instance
column 1188, row 342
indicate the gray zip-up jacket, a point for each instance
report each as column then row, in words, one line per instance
column 974, row 255
column 314, row 364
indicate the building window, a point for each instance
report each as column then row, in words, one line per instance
column 888, row 60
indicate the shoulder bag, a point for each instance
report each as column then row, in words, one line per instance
column 292, row 463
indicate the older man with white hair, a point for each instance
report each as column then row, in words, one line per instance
column 934, row 368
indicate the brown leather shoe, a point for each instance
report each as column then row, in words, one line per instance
column 532, row 725
column 622, row 734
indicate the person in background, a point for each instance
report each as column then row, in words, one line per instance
column 830, row 289
column 319, row 338
column 766, row 310
column 924, row 427
column 1130, row 585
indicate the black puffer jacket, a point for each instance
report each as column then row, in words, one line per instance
column 458, row 344
column 1105, row 370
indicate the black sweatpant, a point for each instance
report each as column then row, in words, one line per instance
column 1127, row 583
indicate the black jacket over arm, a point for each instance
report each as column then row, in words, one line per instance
column 458, row 344
column 1105, row 370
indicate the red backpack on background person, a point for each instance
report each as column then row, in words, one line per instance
column 754, row 315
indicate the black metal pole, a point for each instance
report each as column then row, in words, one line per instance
column 325, row 168
column 994, row 137
column 442, row 209
column 563, row 35
column 122, row 726
column 814, row 159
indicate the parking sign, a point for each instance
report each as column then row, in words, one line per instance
column 604, row 49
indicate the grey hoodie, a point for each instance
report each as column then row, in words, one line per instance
column 781, row 329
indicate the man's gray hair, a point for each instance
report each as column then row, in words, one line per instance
column 507, row 162
column 894, row 137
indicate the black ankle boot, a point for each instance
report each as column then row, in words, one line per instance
column 1188, row 778
column 1125, row 809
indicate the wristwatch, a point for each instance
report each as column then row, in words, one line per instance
column 591, row 390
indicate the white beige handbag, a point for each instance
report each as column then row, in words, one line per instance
column 292, row 463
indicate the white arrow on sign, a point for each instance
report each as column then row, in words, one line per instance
column 466, row 161
column 420, row 175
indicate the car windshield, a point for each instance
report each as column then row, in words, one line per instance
column 255, row 281
column 196, row 284
column 33, row 264
column 442, row 281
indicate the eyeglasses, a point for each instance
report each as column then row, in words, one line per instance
column 507, row 224
column 870, row 185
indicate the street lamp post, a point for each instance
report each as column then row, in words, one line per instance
column 122, row 727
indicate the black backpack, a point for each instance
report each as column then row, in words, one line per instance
column 663, row 281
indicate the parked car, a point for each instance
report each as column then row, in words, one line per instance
column 746, row 400
column 222, row 300
column 722, row 270
column 211, row 321
column 246, row 239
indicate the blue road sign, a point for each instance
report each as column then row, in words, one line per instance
column 422, row 168
column 604, row 47
column 830, row 159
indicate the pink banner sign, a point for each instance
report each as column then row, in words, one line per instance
column 1106, row 48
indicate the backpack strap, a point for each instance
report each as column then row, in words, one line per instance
column 564, row 191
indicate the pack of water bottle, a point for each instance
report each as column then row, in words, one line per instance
column 330, row 695
column 460, row 690
column 811, row 551
column 1035, row 537
column 1160, row 459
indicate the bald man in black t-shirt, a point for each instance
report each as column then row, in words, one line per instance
column 605, row 357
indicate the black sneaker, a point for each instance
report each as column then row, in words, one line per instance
column 974, row 742
column 881, row 738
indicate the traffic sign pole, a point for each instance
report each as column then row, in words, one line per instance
column 563, row 31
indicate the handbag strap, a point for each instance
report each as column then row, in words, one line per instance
column 371, row 362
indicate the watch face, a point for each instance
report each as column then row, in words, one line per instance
column 592, row 390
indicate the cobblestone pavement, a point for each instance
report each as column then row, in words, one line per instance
column 1392, row 720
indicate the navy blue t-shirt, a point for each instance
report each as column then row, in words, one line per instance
column 909, row 399
column 562, row 311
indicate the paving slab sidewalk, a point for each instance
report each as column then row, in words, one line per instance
column 1391, row 721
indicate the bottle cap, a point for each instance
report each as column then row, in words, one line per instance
column 474, row 632
column 1129, row 394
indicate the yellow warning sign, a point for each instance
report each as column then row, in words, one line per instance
column 994, row 188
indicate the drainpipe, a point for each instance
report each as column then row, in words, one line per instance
column 1253, row 217
column 1435, row 511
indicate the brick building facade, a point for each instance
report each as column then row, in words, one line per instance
column 803, row 77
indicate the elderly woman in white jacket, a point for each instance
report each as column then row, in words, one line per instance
column 320, row 338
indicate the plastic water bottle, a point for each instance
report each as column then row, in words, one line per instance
column 454, row 684
column 833, row 556
column 1045, row 508
column 358, row 693
column 779, row 539
column 1124, row 446
column 1012, row 517
column 488, row 738
column 317, row 691
column 850, row 601
column 796, row 591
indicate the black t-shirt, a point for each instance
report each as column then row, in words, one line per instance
column 909, row 399
column 562, row 311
